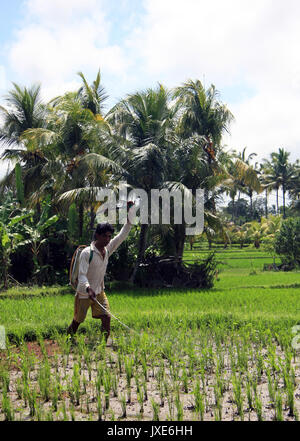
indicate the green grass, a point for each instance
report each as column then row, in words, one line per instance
column 243, row 293
column 241, row 277
column 28, row 317
column 19, row 292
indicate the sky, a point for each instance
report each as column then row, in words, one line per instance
column 248, row 49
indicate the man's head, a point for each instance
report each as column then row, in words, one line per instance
column 103, row 234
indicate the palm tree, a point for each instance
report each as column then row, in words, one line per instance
column 202, row 113
column 294, row 190
column 76, row 169
column 270, row 179
column 285, row 172
column 24, row 111
column 256, row 231
column 139, row 123
column 93, row 96
column 280, row 173
column 247, row 175
column 265, row 184
column 202, row 120
column 243, row 178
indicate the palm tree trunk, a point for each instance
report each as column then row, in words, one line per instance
column 92, row 218
column 233, row 209
column 277, row 204
column 251, row 204
column 80, row 220
column 266, row 204
column 180, row 240
column 283, row 197
column 38, row 211
column 142, row 248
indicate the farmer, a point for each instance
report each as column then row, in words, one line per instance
column 91, row 276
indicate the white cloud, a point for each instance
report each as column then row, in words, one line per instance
column 266, row 123
column 251, row 43
column 60, row 38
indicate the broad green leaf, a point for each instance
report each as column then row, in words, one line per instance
column 5, row 240
column 52, row 220
column 18, row 219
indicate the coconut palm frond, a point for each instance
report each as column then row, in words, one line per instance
column 100, row 162
column 40, row 136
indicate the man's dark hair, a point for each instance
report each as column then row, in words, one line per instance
column 104, row 228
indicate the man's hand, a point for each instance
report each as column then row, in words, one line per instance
column 129, row 205
column 92, row 294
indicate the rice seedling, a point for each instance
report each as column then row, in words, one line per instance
column 38, row 412
column 218, row 402
column 145, row 390
column 107, row 387
column 72, row 413
column 260, row 366
column 120, row 361
column 238, row 396
column 99, row 406
column 32, row 401
column 49, row 416
column 114, row 383
column 258, row 408
column 249, row 394
column 161, row 389
column 55, row 397
column 4, row 379
column 155, row 410
column 7, row 407
column 144, row 365
column 44, row 380
column 19, row 388
column 123, row 405
column 278, row 407
column 64, row 412
column 290, row 397
column 199, row 401
column 112, row 415
column 76, row 384
column 88, row 405
column 140, row 396
column 88, row 362
column 129, row 363
column 185, row 381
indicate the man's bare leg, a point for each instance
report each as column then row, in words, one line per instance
column 105, row 328
column 73, row 327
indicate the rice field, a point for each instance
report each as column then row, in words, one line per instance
column 229, row 353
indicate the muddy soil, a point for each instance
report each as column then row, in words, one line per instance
column 166, row 407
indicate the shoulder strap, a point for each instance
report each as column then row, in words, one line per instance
column 91, row 256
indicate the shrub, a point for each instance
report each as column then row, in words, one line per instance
column 162, row 272
column 287, row 242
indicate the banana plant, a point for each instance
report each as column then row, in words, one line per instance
column 9, row 240
column 35, row 236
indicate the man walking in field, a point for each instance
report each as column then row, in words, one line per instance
column 91, row 276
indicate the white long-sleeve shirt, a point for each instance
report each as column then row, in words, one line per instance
column 92, row 274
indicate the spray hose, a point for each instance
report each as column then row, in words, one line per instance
column 130, row 329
